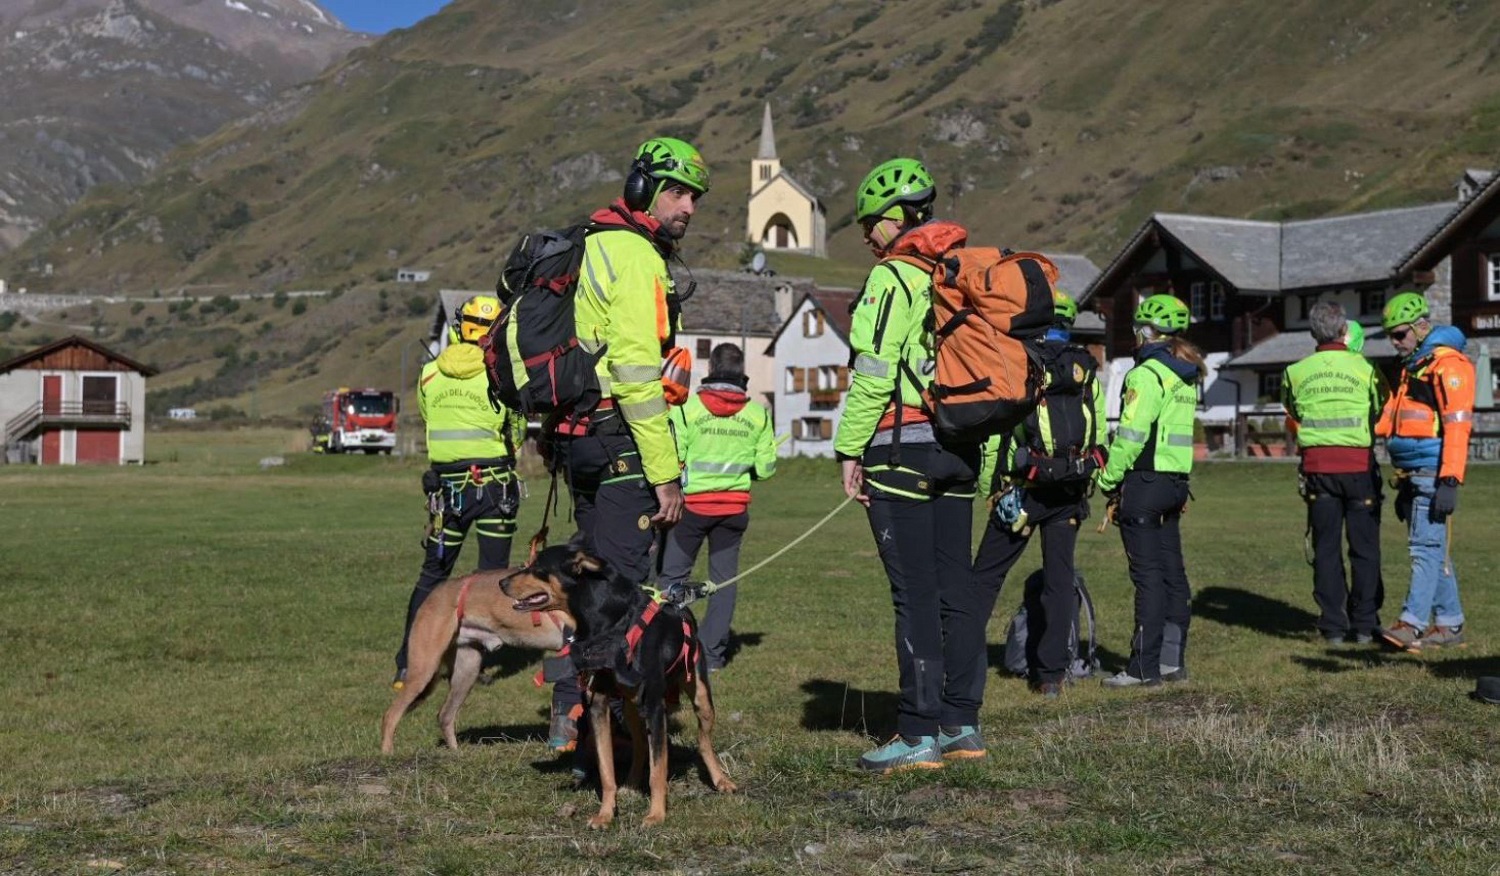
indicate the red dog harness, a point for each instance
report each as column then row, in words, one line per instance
column 687, row 656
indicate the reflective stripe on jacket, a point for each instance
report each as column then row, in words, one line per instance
column 453, row 398
column 1336, row 398
column 1156, row 425
column 621, row 309
column 889, row 324
column 723, row 453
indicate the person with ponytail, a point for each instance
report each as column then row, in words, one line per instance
column 1146, row 482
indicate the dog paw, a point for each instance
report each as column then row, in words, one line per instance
column 724, row 786
column 600, row 821
column 652, row 819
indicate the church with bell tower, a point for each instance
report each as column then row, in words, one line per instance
column 783, row 215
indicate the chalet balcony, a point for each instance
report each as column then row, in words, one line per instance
column 74, row 414
column 822, row 399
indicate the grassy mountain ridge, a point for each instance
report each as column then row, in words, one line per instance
column 1050, row 123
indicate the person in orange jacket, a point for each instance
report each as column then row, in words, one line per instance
column 1427, row 425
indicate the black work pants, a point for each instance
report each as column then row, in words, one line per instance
column 490, row 509
column 1150, row 515
column 613, row 505
column 924, row 543
column 1339, row 506
column 724, row 535
column 1057, row 513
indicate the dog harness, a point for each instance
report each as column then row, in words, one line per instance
column 689, row 653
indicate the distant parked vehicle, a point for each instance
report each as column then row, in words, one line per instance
column 356, row 420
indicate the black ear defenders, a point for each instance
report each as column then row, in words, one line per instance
column 639, row 186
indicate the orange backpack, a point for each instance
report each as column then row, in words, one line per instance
column 989, row 305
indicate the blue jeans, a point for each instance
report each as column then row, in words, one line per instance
column 1434, row 588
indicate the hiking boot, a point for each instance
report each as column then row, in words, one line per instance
column 1363, row 638
column 1334, row 639
column 1174, row 674
column 1402, row 636
column 900, row 754
column 1443, row 637
column 399, row 681
column 562, row 733
column 1125, row 679
column 960, row 743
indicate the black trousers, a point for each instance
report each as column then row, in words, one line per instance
column 924, row 544
column 613, row 505
column 1056, row 512
column 1339, row 506
column 724, row 535
column 1150, row 515
column 490, row 510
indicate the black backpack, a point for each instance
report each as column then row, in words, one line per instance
column 1068, row 396
column 531, row 354
column 1025, row 629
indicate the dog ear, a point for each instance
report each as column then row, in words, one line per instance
column 584, row 563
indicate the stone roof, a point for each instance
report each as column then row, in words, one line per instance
column 1361, row 248
column 835, row 304
column 767, row 136
column 721, row 297
column 1245, row 253
column 1288, row 347
column 1074, row 272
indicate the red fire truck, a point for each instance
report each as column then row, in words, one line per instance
column 356, row 419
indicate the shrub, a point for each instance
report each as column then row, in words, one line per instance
column 299, row 307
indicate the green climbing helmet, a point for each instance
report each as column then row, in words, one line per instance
column 668, row 158
column 1354, row 337
column 898, row 181
column 1404, row 309
column 1064, row 308
column 1165, row 313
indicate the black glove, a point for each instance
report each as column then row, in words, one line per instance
column 683, row 594
column 1445, row 499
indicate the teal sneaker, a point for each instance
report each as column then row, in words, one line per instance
column 918, row 753
column 963, row 743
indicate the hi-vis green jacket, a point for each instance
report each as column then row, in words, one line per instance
column 889, row 325
column 622, row 308
column 453, row 398
column 725, row 441
column 1156, row 423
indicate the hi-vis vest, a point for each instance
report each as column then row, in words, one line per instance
column 1156, row 424
column 461, row 423
column 887, row 328
column 721, row 454
column 1335, row 396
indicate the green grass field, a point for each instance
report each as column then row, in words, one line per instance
column 197, row 654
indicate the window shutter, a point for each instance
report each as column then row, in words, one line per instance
column 820, row 322
column 843, row 378
column 799, row 380
column 825, row 427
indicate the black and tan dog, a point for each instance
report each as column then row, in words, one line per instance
column 460, row 620
column 627, row 645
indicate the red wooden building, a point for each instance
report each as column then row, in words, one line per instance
column 73, row 401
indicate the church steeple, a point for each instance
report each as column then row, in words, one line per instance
column 766, row 165
column 767, row 136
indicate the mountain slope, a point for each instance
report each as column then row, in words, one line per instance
column 98, row 91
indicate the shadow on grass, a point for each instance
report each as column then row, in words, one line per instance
column 495, row 733
column 834, row 705
column 504, row 662
column 739, row 641
column 1234, row 607
column 1348, row 660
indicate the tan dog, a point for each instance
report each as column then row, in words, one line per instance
column 630, row 646
column 460, row 620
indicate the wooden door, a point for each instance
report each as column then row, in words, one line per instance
column 98, row 447
column 52, row 394
column 52, row 447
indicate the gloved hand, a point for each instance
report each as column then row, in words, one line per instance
column 683, row 594
column 1445, row 499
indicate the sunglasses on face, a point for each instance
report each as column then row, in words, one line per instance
column 1398, row 334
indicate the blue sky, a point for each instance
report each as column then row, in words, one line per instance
column 379, row 16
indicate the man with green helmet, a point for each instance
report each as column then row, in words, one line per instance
column 1427, row 424
column 472, row 448
column 1334, row 398
column 1046, row 463
column 918, row 493
column 1146, row 482
column 620, row 459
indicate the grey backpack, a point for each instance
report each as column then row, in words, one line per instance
column 1020, row 646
